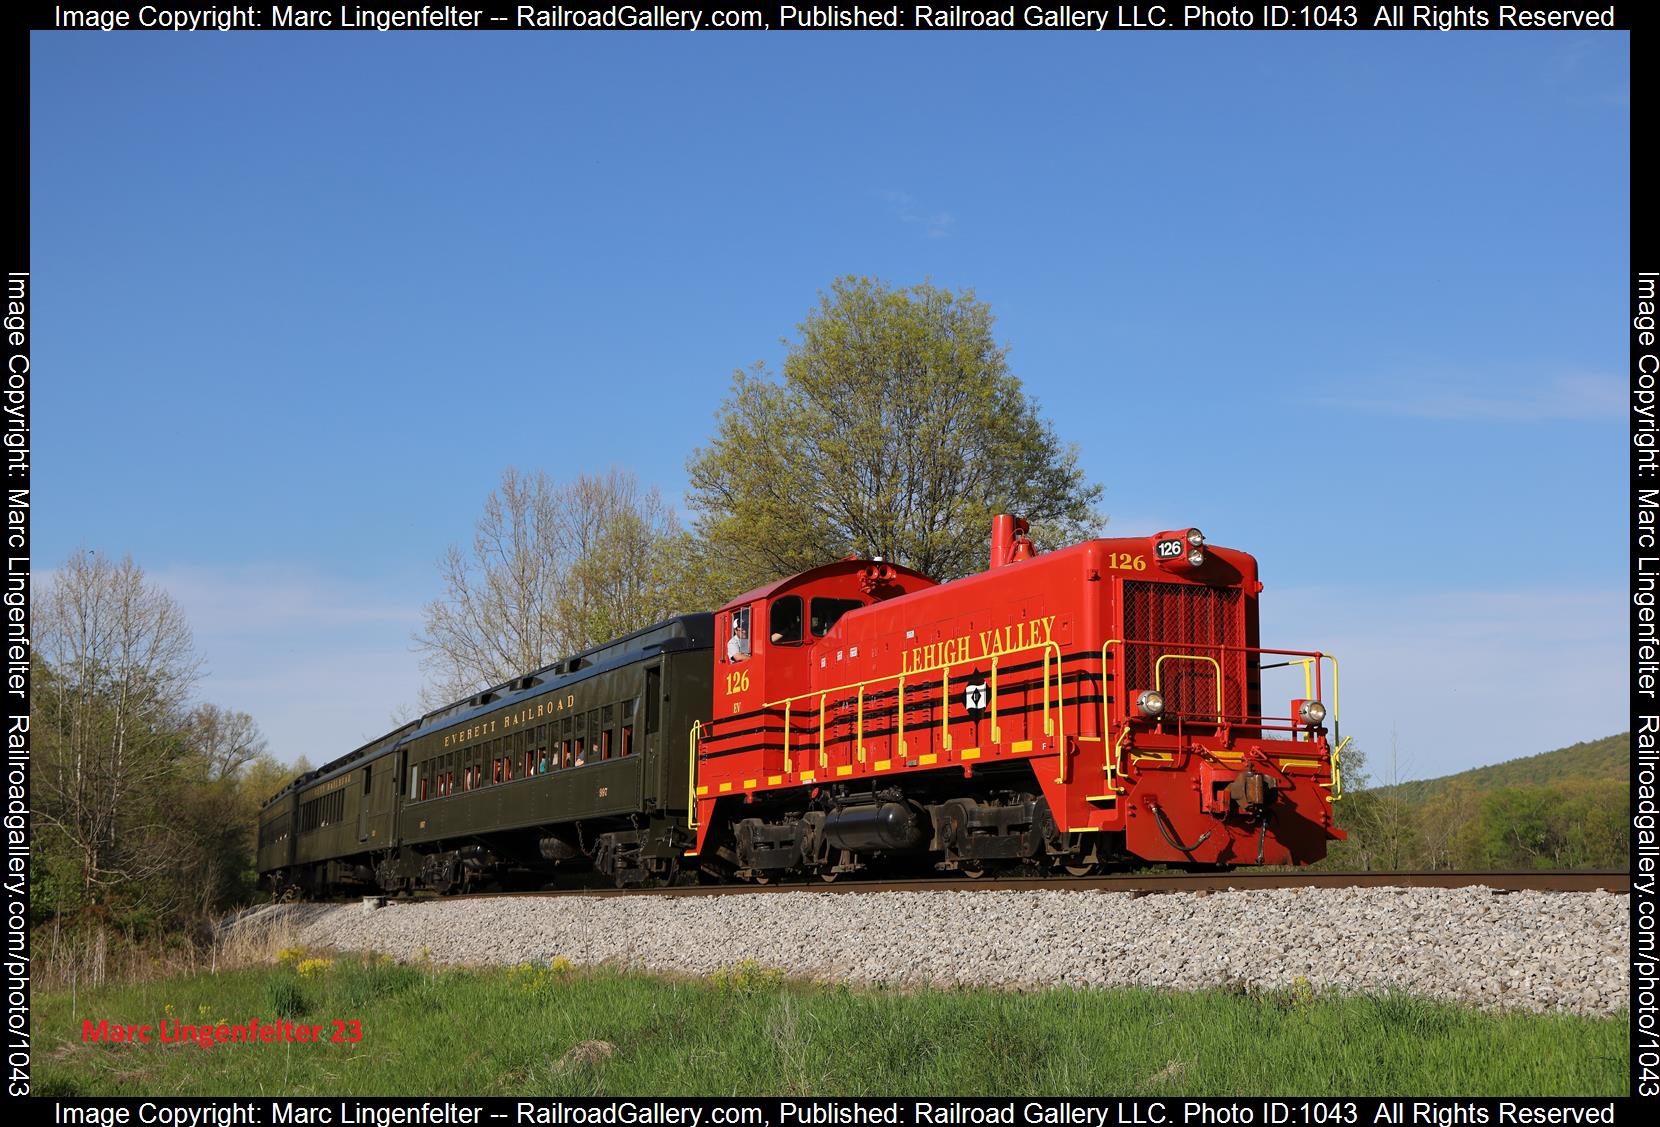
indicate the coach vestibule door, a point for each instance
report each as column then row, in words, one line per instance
column 363, row 803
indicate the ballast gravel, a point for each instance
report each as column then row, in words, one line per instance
column 1525, row 950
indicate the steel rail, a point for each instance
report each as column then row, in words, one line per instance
column 1140, row 884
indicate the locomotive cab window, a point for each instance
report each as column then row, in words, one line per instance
column 737, row 638
column 828, row 612
column 784, row 625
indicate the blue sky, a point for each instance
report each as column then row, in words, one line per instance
column 1353, row 303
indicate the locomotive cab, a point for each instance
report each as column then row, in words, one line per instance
column 770, row 639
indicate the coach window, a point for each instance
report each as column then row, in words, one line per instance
column 415, row 779
column 784, row 628
column 827, row 612
column 627, row 747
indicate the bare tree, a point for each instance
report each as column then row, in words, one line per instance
column 120, row 662
column 226, row 740
column 552, row 568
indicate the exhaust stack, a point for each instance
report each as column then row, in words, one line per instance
column 1009, row 542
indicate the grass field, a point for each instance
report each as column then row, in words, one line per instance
column 428, row 1031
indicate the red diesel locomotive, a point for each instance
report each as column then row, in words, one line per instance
column 1077, row 709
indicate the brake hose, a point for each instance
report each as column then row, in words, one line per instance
column 1158, row 819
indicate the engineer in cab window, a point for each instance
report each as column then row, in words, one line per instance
column 737, row 646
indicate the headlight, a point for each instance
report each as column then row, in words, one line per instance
column 1196, row 557
column 1195, row 537
column 1150, row 703
column 1312, row 713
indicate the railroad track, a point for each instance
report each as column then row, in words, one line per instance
column 1139, row 884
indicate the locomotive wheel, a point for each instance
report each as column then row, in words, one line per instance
column 828, row 877
column 1077, row 870
column 974, row 870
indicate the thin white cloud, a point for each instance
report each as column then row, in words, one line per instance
column 320, row 703
column 319, row 661
column 264, row 596
column 1575, row 396
column 903, row 207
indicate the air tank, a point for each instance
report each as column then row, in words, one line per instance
column 891, row 826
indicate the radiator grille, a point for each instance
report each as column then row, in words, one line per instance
column 1175, row 618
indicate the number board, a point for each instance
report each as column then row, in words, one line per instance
column 1170, row 549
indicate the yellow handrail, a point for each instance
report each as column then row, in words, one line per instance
column 1058, row 727
column 823, row 760
column 1158, row 675
column 1051, row 652
column 1336, row 695
column 859, row 727
column 945, row 707
column 1060, row 689
column 1336, row 784
column 1308, row 684
column 1110, row 760
column 996, row 731
column 901, row 692
column 787, row 737
column 1308, row 691
column 691, row 773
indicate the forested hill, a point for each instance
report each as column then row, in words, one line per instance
column 1607, row 758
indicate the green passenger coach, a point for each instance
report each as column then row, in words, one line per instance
column 581, row 766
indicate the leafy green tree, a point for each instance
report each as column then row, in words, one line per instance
column 897, row 429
